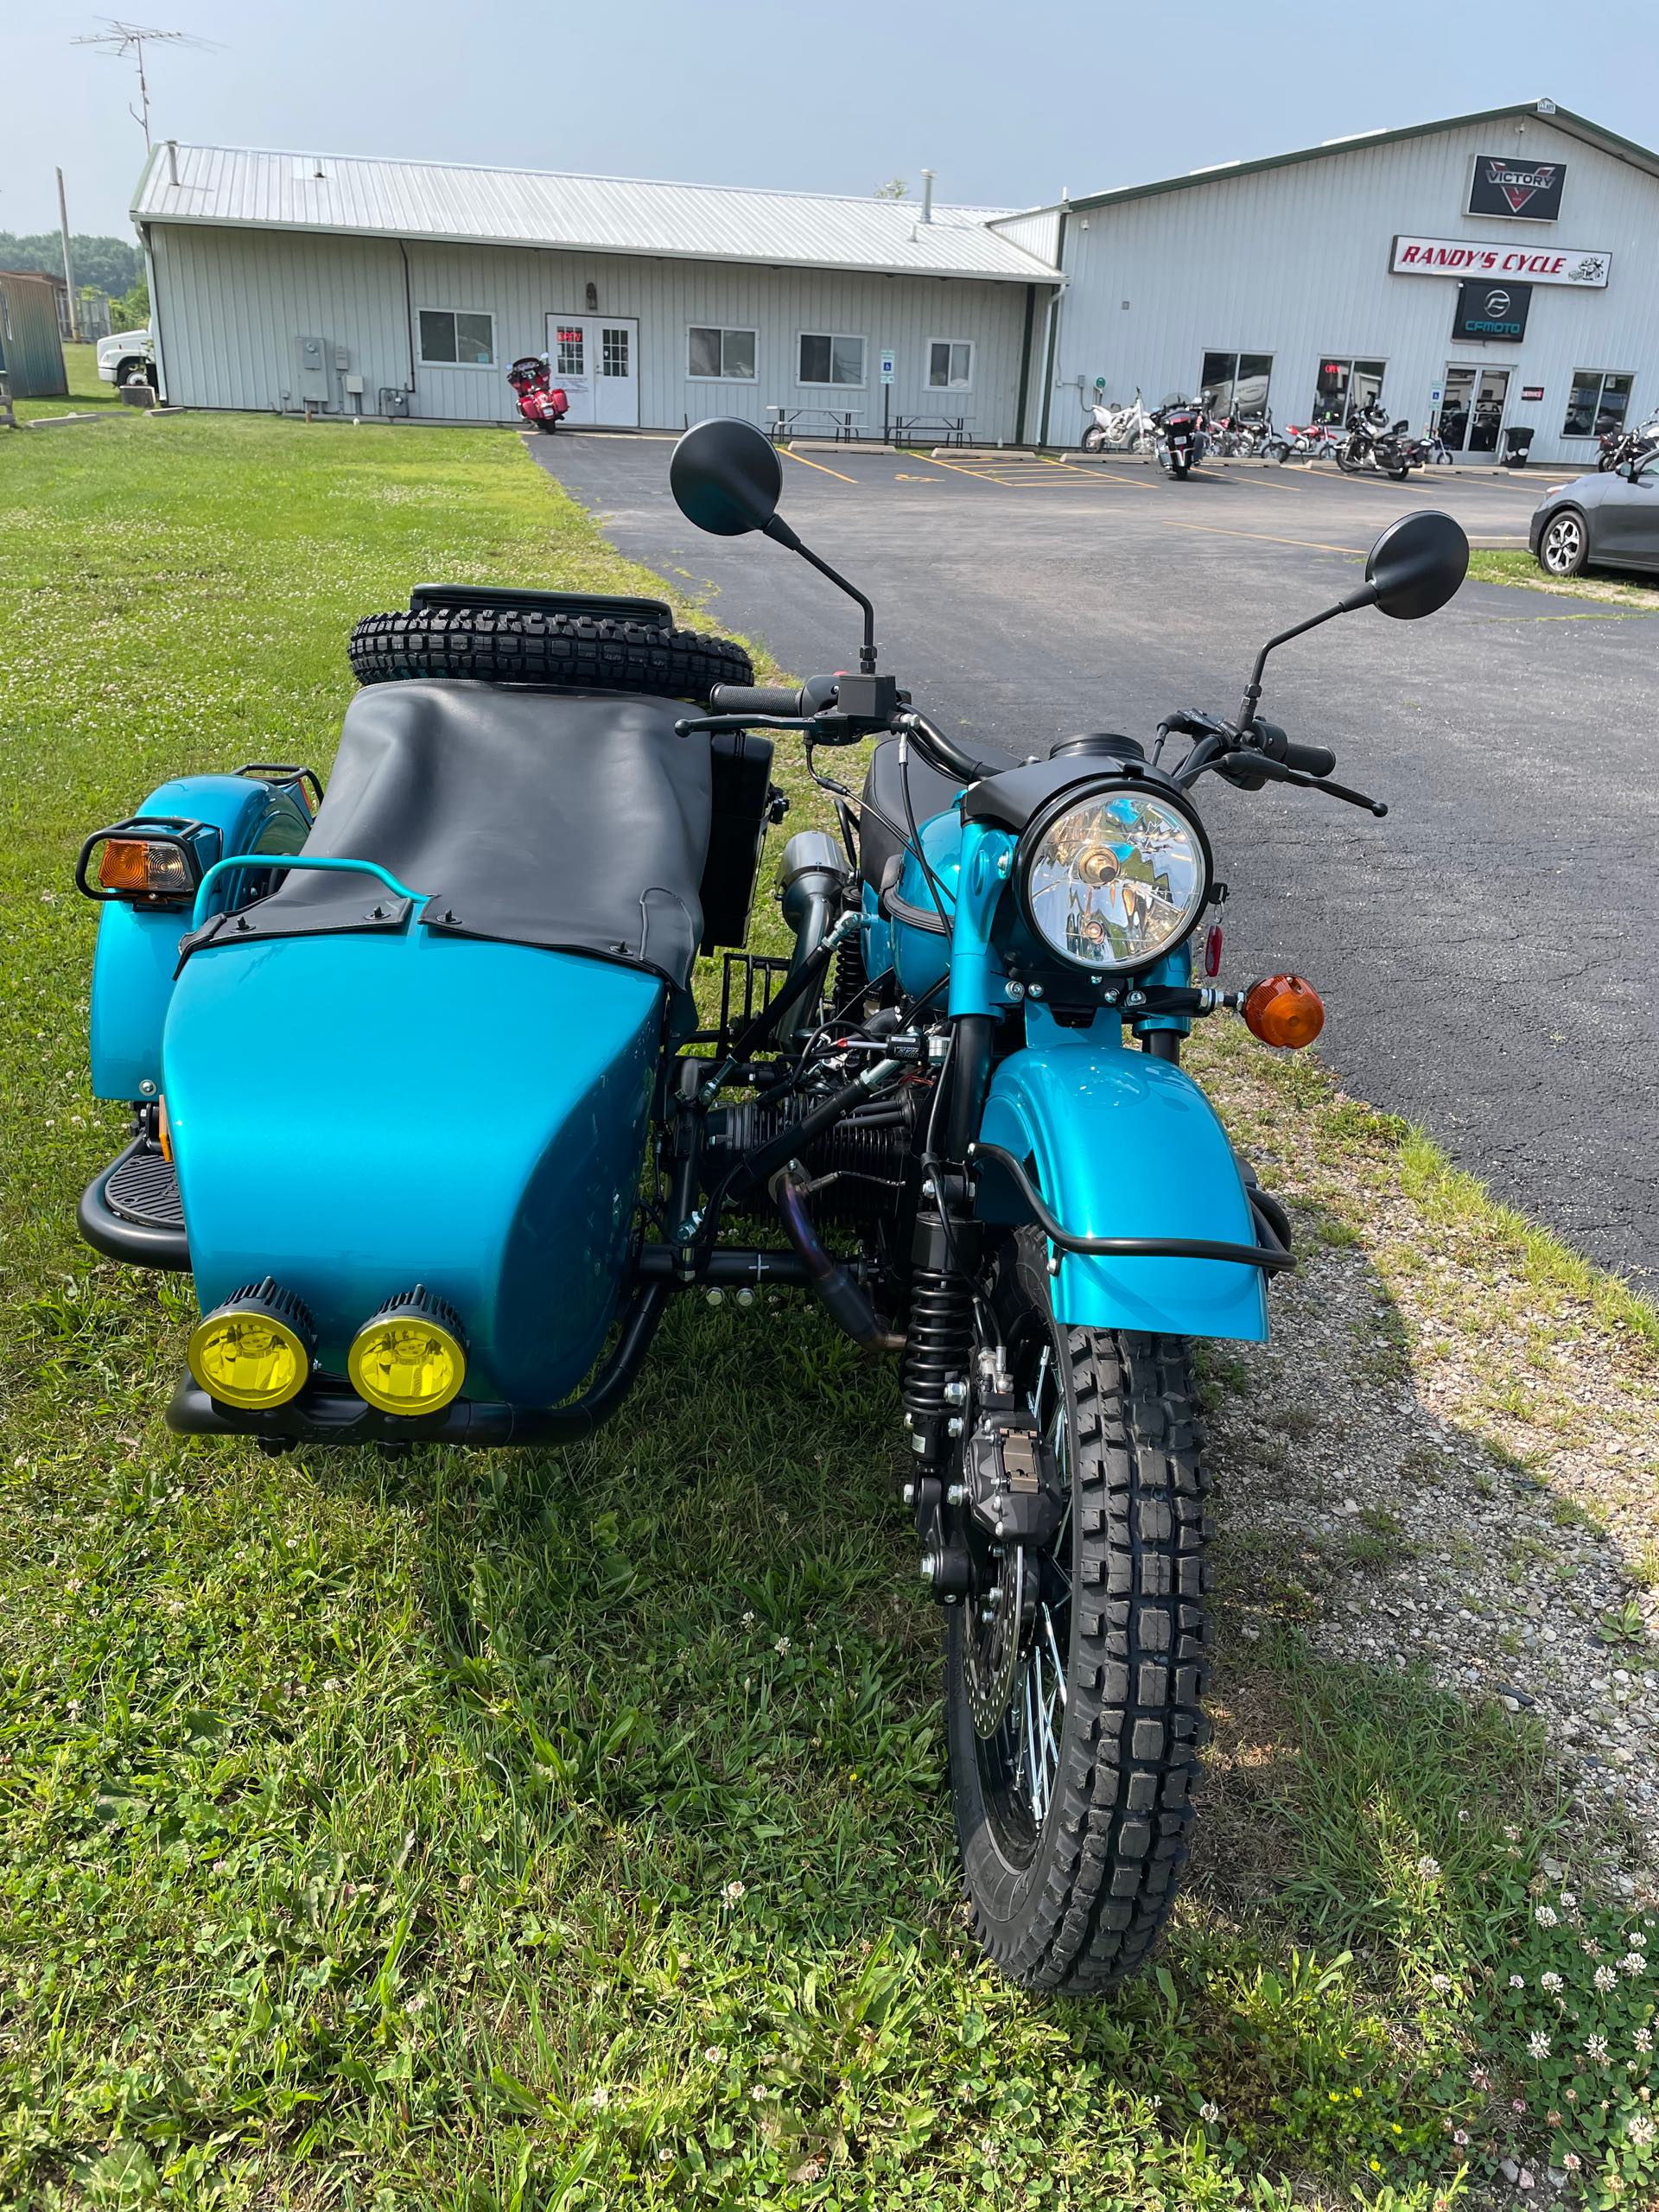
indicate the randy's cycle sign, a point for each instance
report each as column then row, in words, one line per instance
column 1530, row 265
column 1504, row 184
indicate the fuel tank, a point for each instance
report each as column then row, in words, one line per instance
column 353, row 1114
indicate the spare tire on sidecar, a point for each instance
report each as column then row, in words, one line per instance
column 554, row 640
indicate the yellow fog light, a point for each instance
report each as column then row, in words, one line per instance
column 410, row 1358
column 255, row 1349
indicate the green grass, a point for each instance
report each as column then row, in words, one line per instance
column 567, row 1829
column 1611, row 590
column 86, row 389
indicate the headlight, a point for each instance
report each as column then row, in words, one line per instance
column 256, row 1350
column 410, row 1358
column 1114, row 877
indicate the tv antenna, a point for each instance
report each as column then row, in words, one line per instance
column 118, row 40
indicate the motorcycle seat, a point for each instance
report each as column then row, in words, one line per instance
column 574, row 822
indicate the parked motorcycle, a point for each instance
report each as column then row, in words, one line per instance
column 1182, row 435
column 1374, row 443
column 956, row 1117
column 1619, row 448
column 540, row 400
column 1120, row 429
column 1312, row 442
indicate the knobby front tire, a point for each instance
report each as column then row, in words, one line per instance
column 1078, row 1906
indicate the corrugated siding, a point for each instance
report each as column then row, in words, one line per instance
column 1294, row 262
column 1038, row 232
column 231, row 303
column 33, row 356
column 444, row 200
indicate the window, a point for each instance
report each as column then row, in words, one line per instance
column 570, row 353
column 727, row 354
column 613, row 352
column 949, row 366
column 1343, row 386
column 1598, row 403
column 466, row 341
column 1235, row 383
column 831, row 359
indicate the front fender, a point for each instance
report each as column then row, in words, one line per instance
column 1124, row 1144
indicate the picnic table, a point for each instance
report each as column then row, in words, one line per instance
column 943, row 429
column 844, row 424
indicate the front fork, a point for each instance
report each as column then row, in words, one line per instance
column 939, row 1384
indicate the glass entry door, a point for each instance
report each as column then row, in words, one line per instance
column 595, row 359
column 1471, row 414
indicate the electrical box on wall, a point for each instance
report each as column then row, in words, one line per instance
column 312, row 375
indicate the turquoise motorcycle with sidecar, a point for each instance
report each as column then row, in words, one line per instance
column 424, row 1101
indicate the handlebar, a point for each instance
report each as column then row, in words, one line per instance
column 756, row 699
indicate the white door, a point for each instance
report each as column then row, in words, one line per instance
column 596, row 359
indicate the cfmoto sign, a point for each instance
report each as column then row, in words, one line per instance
column 1488, row 311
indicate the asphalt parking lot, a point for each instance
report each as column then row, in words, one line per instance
column 1487, row 953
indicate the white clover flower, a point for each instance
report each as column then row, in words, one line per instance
column 781, row 1646
column 1606, row 1977
column 1640, row 2130
column 1517, row 1981
column 1545, row 1916
column 1638, row 1941
column 601, row 2098
column 1568, row 1900
column 1511, row 1835
column 1550, row 1982
column 1207, row 2111
column 1595, row 2050
column 1572, row 2161
column 1642, row 2038
column 1441, row 1982
column 1427, row 1867
column 746, row 1620
column 1538, row 2043
column 732, row 1893
column 713, row 2054
column 1633, row 1964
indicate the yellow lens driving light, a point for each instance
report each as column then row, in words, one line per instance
column 411, row 1356
column 256, row 1350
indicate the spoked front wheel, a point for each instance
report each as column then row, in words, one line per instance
column 1076, row 1665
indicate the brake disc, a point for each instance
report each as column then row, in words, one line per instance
column 996, row 1629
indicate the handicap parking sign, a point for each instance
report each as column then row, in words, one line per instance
column 887, row 368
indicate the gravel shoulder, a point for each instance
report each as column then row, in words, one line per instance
column 1446, row 1458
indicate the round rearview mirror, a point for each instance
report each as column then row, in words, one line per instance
column 1417, row 564
column 726, row 477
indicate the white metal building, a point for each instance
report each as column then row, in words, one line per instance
column 299, row 282
column 1496, row 271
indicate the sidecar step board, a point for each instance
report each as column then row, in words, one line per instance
column 132, row 1210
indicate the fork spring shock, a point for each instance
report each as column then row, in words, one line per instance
column 938, row 1347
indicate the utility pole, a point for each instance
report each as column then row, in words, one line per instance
column 68, row 265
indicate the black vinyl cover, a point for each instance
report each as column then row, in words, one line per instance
column 930, row 793
column 575, row 821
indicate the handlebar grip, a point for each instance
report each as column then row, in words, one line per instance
column 1309, row 760
column 754, row 699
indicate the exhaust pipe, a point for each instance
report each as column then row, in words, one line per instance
column 927, row 195
column 844, row 1297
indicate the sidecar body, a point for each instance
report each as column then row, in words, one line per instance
column 418, row 1049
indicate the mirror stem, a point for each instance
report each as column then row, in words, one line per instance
column 1365, row 596
column 780, row 531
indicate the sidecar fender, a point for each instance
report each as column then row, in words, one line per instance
column 138, row 946
column 1124, row 1144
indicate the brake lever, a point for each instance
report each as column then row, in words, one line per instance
column 1262, row 763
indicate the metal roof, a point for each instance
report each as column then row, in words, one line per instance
column 452, row 202
column 1560, row 118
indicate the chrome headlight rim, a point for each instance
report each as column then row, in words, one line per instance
column 1078, row 794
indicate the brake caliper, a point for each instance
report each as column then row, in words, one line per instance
column 1012, row 1480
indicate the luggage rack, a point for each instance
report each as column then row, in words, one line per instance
column 748, row 984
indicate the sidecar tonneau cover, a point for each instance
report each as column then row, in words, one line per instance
column 574, row 822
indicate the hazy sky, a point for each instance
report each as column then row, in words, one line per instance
column 1008, row 103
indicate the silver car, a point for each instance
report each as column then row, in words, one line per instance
column 1611, row 519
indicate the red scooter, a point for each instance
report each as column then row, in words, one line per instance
column 540, row 400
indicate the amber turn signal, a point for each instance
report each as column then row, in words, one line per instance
column 1284, row 1010
column 143, row 868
